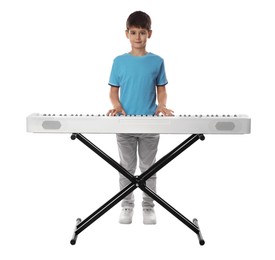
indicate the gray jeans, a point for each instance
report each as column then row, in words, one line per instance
column 145, row 145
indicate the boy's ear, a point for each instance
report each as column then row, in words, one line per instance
column 150, row 34
column 127, row 33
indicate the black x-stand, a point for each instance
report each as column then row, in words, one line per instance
column 137, row 182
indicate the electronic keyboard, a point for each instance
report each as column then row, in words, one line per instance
column 103, row 124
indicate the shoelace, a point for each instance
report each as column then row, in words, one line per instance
column 127, row 210
column 149, row 211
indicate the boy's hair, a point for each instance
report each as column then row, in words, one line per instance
column 139, row 19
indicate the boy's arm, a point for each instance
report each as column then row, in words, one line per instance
column 117, row 107
column 162, row 98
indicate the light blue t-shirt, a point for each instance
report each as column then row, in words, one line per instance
column 137, row 78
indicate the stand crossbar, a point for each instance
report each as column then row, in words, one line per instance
column 137, row 182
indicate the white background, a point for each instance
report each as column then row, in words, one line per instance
column 56, row 57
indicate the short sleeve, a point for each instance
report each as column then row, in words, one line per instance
column 114, row 76
column 161, row 78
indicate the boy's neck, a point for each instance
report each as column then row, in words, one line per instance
column 138, row 52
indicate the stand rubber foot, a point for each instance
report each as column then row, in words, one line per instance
column 74, row 238
column 201, row 240
column 73, row 136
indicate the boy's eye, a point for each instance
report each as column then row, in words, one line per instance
column 140, row 33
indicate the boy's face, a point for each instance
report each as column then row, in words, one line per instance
column 138, row 37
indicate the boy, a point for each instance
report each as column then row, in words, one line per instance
column 137, row 79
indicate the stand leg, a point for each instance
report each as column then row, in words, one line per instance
column 169, row 208
column 193, row 226
column 103, row 155
column 104, row 208
column 170, row 156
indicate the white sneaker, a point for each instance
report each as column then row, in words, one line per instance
column 149, row 216
column 126, row 216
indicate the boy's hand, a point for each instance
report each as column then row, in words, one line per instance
column 161, row 109
column 116, row 111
